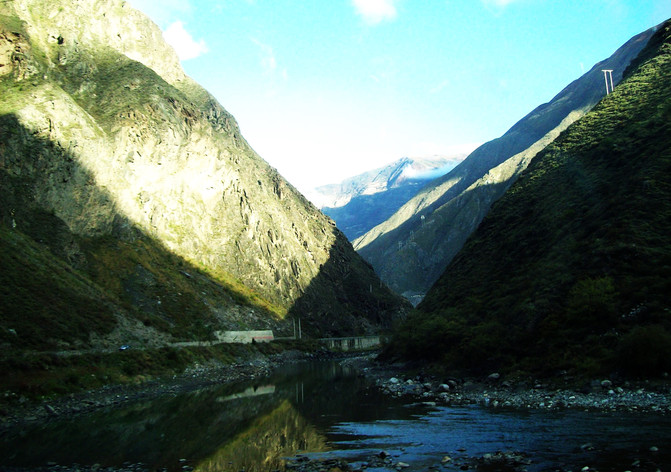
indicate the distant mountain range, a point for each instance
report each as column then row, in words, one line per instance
column 570, row 271
column 411, row 249
column 359, row 203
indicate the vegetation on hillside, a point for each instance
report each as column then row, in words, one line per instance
column 571, row 269
column 49, row 305
column 36, row 289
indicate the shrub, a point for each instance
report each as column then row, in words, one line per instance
column 645, row 350
column 592, row 304
column 427, row 338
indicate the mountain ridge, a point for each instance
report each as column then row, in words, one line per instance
column 570, row 270
column 410, row 250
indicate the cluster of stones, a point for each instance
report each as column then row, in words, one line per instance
column 499, row 460
column 494, row 392
column 127, row 467
column 302, row 463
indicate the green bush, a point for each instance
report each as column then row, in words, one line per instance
column 592, row 303
column 645, row 350
column 428, row 338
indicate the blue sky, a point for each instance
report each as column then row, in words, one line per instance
column 327, row 89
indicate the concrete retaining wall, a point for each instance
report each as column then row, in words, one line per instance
column 352, row 344
column 244, row 337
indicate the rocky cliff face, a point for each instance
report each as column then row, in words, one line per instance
column 362, row 202
column 411, row 249
column 105, row 142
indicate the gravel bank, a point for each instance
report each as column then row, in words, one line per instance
column 495, row 391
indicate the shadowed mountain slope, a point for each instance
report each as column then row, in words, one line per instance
column 412, row 248
column 131, row 205
column 571, row 269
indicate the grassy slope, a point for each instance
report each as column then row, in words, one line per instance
column 572, row 267
column 36, row 289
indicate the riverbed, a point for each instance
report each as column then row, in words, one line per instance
column 326, row 415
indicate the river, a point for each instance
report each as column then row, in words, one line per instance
column 325, row 410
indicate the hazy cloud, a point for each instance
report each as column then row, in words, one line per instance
column 375, row 11
column 440, row 87
column 268, row 61
column 270, row 67
column 184, row 44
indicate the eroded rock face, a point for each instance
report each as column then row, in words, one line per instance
column 104, row 131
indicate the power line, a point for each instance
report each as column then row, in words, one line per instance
column 608, row 73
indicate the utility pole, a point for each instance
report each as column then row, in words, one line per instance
column 608, row 73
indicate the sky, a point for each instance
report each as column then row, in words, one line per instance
column 327, row 89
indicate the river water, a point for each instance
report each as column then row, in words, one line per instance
column 325, row 410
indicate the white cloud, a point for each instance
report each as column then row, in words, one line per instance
column 184, row 44
column 375, row 11
column 269, row 61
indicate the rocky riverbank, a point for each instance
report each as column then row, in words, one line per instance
column 496, row 391
column 602, row 395
column 497, row 461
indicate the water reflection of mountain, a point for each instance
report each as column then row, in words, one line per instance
column 248, row 425
column 161, row 432
column 325, row 391
column 261, row 447
column 248, row 392
column 157, row 433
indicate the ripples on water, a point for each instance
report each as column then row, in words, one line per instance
column 552, row 439
column 326, row 410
